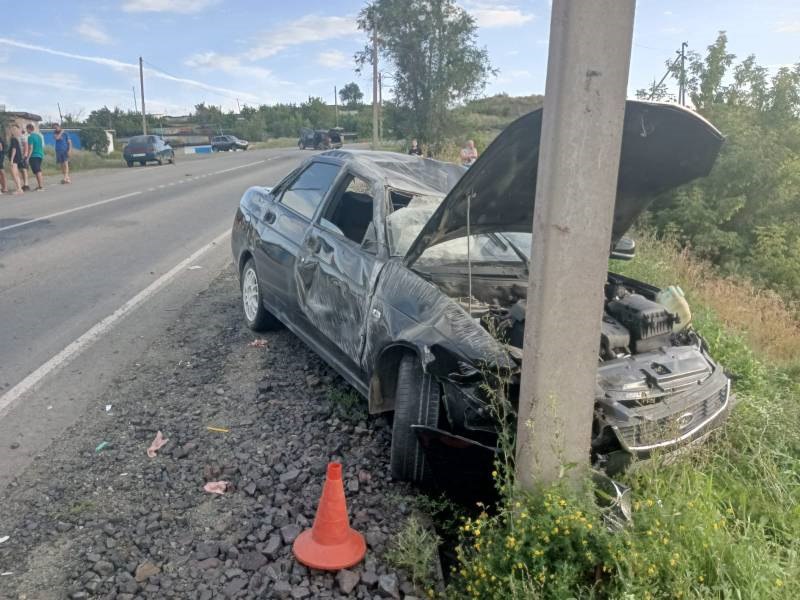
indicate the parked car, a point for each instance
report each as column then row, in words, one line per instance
column 228, row 143
column 320, row 139
column 364, row 256
column 147, row 148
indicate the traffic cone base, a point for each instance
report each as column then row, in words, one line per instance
column 329, row 558
column 331, row 544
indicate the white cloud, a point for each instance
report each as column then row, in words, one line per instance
column 174, row 6
column 54, row 80
column 489, row 15
column 788, row 27
column 231, row 65
column 334, row 59
column 306, row 29
column 667, row 13
column 91, row 29
column 118, row 65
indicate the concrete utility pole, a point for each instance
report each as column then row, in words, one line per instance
column 374, row 84
column 336, row 105
column 141, row 83
column 135, row 104
column 584, row 107
column 682, row 82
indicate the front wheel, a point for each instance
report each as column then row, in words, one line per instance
column 256, row 316
column 417, row 399
column 172, row 158
column 129, row 163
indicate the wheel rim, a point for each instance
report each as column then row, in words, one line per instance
column 250, row 294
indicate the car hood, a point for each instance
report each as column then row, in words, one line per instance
column 663, row 146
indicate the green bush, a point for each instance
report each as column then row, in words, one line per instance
column 94, row 139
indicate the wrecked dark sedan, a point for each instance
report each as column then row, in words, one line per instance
column 403, row 272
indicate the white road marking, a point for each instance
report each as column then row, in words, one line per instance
column 70, row 210
column 258, row 162
column 98, row 329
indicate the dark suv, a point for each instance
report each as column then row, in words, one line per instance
column 228, row 142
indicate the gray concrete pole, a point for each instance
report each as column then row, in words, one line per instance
column 587, row 78
column 141, row 83
column 374, row 86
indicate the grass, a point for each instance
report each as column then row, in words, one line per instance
column 720, row 522
column 415, row 549
column 347, row 405
column 80, row 160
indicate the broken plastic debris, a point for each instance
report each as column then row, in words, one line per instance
column 108, row 408
column 195, row 267
column 6, row 573
column 101, row 446
column 158, row 442
column 259, row 343
column 218, row 429
column 4, row 539
column 216, row 487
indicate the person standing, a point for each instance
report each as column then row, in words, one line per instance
column 469, row 154
column 415, row 149
column 15, row 158
column 36, row 155
column 23, row 163
column 63, row 148
column 3, row 185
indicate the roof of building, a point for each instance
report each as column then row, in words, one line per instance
column 20, row 115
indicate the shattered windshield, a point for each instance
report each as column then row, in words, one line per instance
column 403, row 227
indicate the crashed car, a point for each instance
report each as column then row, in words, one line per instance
column 400, row 272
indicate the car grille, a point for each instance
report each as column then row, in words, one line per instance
column 670, row 428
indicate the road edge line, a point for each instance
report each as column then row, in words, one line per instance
column 99, row 328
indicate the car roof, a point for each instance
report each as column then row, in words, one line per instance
column 401, row 171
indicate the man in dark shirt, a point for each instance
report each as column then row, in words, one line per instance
column 415, row 149
column 3, row 187
column 15, row 157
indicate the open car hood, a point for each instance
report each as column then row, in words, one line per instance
column 663, row 146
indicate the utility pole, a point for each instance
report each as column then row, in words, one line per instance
column 380, row 106
column 141, row 83
column 60, row 116
column 336, row 105
column 682, row 81
column 238, row 106
column 374, row 82
column 135, row 105
column 584, row 108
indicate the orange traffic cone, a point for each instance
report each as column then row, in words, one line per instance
column 330, row 544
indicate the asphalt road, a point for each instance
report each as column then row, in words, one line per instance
column 91, row 272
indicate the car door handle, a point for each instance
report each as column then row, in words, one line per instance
column 269, row 217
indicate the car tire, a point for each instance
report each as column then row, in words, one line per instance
column 129, row 163
column 143, row 163
column 256, row 316
column 172, row 159
column 417, row 402
column 159, row 161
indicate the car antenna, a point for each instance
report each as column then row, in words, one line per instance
column 469, row 256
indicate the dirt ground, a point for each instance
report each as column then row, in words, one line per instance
column 95, row 517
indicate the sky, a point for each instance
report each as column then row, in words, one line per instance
column 84, row 54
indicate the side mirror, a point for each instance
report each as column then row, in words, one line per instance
column 625, row 249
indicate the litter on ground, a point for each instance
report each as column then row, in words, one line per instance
column 158, row 442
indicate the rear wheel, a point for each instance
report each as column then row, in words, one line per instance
column 142, row 162
column 256, row 316
column 129, row 163
column 172, row 158
column 417, row 400
column 159, row 161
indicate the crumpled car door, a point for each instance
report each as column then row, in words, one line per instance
column 334, row 278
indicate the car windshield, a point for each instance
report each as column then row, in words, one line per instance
column 403, row 227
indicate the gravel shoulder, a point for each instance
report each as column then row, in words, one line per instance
column 91, row 521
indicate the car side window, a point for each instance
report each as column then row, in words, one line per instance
column 307, row 191
column 350, row 211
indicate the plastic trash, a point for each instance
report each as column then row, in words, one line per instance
column 216, row 487
column 218, row 429
column 258, row 343
column 101, row 446
column 158, row 442
column 4, row 539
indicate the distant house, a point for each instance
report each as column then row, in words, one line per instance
column 8, row 118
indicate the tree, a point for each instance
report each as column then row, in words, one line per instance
column 94, row 138
column 351, row 95
column 432, row 46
